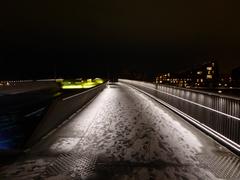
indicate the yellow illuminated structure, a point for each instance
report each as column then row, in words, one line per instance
column 83, row 84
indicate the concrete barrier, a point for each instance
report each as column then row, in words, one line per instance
column 60, row 110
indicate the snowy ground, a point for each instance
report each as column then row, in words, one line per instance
column 122, row 134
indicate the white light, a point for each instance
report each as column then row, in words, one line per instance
column 64, row 144
column 209, row 68
column 209, row 76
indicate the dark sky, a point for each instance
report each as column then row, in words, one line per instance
column 97, row 37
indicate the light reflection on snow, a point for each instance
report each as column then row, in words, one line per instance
column 64, row 144
column 117, row 116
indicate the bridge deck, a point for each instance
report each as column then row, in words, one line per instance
column 123, row 134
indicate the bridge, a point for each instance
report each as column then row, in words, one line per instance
column 134, row 130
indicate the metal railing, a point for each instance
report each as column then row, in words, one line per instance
column 218, row 112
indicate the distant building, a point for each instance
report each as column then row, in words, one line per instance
column 206, row 75
column 163, row 78
column 203, row 75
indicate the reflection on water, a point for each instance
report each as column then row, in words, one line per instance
column 20, row 114
column 16, row 127
column 9, row 132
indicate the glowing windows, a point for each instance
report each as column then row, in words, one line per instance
column 209, row 76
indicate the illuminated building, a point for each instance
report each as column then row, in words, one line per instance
column 163, row 78
column 203, row 75
column 206, row 75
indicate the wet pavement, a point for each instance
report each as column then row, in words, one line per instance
column 124, row 134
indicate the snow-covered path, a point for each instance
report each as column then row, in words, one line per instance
column 122, row 134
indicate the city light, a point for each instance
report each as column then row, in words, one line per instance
column 202, row 75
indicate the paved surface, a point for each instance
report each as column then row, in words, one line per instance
column 124, row 134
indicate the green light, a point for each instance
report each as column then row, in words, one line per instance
column 66, row 82
column 59, row 80
column 89, row 83
column 57, row 94
column 89, row 80
column 98, row 80
column 72, row 87
column 84, row 85
column 78, row 82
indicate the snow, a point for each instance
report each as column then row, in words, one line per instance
column 134, row 136
column 130, row 127
column 64, row 144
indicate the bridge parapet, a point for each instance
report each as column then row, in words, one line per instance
column 218, row 113
column 61, row 110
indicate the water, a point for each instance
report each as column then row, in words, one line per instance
column 20, row 114
column 16, row 127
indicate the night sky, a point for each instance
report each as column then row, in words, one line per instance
column 97, row 38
